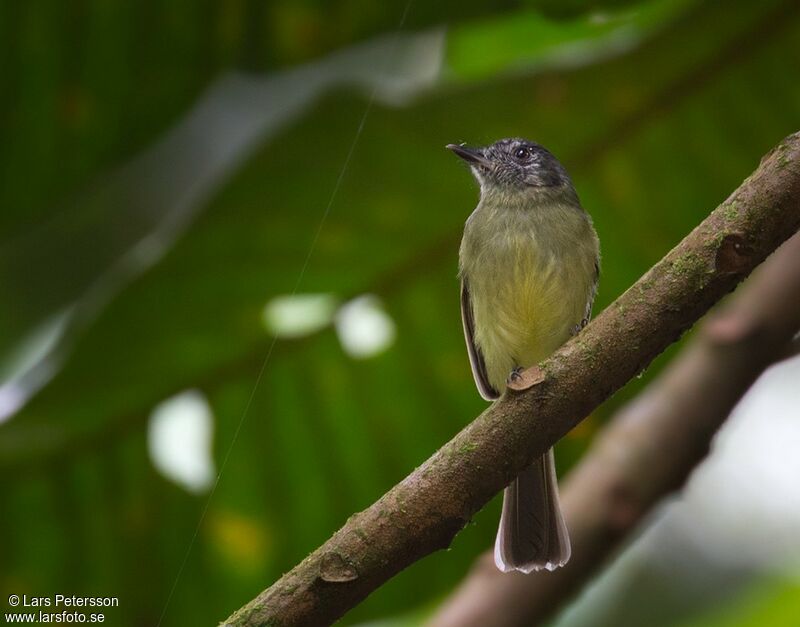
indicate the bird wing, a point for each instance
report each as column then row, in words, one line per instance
column 475, row 356
column 590, row 299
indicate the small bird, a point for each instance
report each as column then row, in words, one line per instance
column 529, row 264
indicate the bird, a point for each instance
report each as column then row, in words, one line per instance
column 529, row 265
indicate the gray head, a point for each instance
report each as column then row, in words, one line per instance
column 516, row 166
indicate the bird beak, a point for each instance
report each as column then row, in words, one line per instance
column 473, row 156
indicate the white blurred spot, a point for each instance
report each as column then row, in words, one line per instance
column 179, row 439
column 747, row 493
column 12, row 398
column 292, row 316
column 364, row 328
column 600, row 17
column 27, row 367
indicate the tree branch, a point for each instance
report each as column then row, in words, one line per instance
column 648, row 449
column 424, row 512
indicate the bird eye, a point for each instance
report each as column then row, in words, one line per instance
column 522, row 154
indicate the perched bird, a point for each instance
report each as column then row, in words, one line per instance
column 529, row 264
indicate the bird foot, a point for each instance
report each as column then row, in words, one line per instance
column 521, row 379
column 516, row 375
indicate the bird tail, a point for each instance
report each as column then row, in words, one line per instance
column 532, row 534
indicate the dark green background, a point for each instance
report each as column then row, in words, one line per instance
column 658, row 109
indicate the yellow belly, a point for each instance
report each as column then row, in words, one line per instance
column 524, row 314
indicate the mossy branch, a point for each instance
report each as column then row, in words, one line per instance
column 429, row 507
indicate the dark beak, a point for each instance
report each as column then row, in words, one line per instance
column 473, row 156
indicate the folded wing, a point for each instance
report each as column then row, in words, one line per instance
column 475, row 357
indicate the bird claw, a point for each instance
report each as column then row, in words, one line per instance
column 579, row 327
column 516, row 375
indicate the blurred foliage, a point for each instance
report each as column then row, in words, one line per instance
column 658, row 109
column 771, row 602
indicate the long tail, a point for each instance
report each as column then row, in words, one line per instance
column 532, row 533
